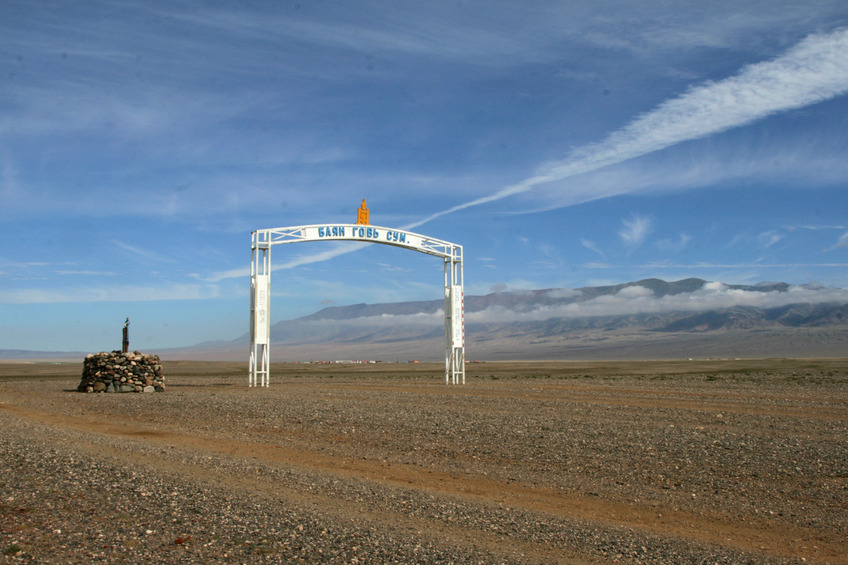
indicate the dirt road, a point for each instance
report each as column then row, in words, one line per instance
column 680, row 462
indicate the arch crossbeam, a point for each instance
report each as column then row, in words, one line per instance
column 260, row 283
column 356, row 232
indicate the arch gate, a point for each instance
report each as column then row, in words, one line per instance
column 260, row 286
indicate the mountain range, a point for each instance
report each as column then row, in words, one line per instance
column 649, row 318
column 646, row 319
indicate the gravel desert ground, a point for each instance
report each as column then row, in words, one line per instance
column 740, row 461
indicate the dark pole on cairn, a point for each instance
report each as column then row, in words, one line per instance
column 126, row 344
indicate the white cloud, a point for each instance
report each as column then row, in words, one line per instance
column 769, row 238
column 335, row 251
column 559, row 293
column 218, row 276
column 389, row 320
column 144, row 253
column 639, row 300
column 701, row 265
column 814, row 228
column 808, row 159
column 675, row 245
column 842, row 242
column 635, row 231
column 590, row 245
column 88, row 273
column 127, row 293
column 516, row 286
column 629, row 300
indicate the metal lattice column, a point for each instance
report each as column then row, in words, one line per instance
column 260, row 301
column 454, row 318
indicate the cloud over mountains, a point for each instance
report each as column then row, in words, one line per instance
column 650, row 296
column 647, row 318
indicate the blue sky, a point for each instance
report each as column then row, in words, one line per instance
column 563, row 144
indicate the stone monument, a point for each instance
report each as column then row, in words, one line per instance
column 122, row 371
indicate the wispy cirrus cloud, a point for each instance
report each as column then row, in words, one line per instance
column 841, row 242
column 117, row 293
column 812, row 227
column 87, row 273
column 815, row 70
column 769, row 238
column 335, row 251
column 635, row 230
column 590, row 245
column 143, row 253
column 675, row 245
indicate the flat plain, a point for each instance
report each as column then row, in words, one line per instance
column 703, row 461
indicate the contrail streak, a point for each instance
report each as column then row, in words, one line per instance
column 816, row 69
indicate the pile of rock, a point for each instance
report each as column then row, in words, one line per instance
column 121, row 372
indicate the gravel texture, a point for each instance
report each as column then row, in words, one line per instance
column 526, row 463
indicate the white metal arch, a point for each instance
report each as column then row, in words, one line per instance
column 260, row 286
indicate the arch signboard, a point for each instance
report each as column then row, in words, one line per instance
column 260, row 285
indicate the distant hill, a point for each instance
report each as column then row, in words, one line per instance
column 29, row 355
column 748, row 317
column 649, row 318
column 518, row 300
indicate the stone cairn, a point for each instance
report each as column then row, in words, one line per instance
column 120, row 371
